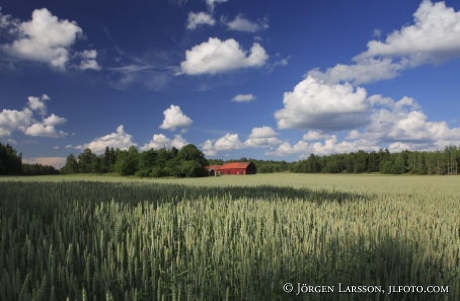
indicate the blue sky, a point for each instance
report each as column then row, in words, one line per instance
column 236, row 78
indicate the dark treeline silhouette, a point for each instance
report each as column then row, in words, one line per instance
column 11, row 164
column 189, row 161
column 10, row 160
column 38, row 169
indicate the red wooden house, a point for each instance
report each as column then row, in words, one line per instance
column 234, row 168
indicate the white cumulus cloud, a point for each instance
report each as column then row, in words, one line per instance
column 328, row 145
column 314, row 104
column 38, row 103
column 365, row 71
column 119, row 139
column 286, row 149
column 315, row 135
column 89, row 61
column 404, row 121
column 224, row 143
column 434, row 36
column 25, row 121
column 45, row 39
column 216, row 56
column 12, row 120
column 200, row 18
column 47, row 127
column 174, row 118
column 260, row 137
column 159, row 141
column 263, row 136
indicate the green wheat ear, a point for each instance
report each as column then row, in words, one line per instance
column 84, row 297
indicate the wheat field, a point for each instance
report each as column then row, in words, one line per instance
column 230, row 238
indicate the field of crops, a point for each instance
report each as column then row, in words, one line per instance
column 94, row 238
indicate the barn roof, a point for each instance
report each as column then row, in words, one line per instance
column 236, row 165
column 229, row 165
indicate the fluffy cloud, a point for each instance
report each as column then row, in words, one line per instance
column 398, row 124
column 12, row 120
column 38, row 103
column 315, row 135
column 89, row 61
column 330, row 145
column 366, row 71
column 120, row 139
column 47, row 127
column 159, row 141
column 326, row 101
column 216, row 56
column 314, row 104
column 224, row 143
column 333, row 146
column 201, row 18
column 286, row 149
column 123, row 140
column 403, row 121
column 244, row 98
column 174, row 118
column 434, row 36
column 242, row 24
column 44, row 39
column 24, row 120
column 263, row 136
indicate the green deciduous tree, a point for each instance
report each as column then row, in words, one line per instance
column 71, row 165
column 88, row 162
column 129, row 161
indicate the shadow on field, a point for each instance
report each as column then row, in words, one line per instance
column 400, row 269
column 166, row 193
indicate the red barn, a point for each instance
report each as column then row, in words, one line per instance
column 234, row 168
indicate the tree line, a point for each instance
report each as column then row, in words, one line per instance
column 11, row 164
column 189, row 161
column 445, row 162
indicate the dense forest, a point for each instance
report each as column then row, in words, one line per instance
column 190, row 162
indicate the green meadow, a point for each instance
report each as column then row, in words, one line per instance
column 331, row 237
